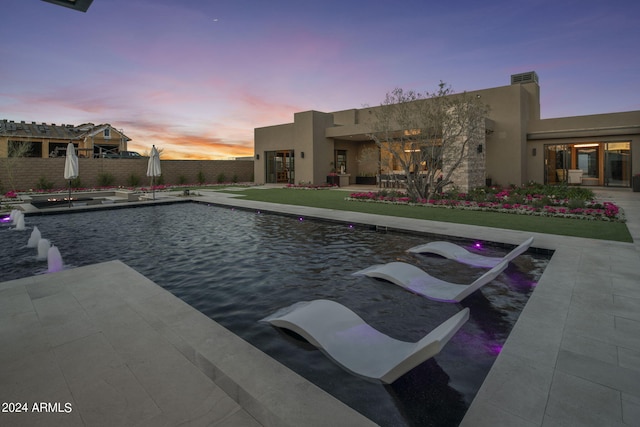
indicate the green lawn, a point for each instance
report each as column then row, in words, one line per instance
column 334, row 199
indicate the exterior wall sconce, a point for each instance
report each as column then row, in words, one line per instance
column 479, row 148
column 534, row 152
column 257, row 156
column 302, row 154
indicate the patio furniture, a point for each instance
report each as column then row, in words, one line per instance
column 575, row 176
column 357, row 347
column 420, row 282
column 458, row 253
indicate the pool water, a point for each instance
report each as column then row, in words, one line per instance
column 239, row 266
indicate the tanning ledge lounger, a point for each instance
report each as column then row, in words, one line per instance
column 420, row 282
column 354, row 345
column 460, row 254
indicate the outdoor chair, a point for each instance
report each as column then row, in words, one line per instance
column 350, row 342
column 458, row 253
column 420, row 282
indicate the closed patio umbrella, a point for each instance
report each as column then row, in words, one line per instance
column 153, row 168
column 70, row 166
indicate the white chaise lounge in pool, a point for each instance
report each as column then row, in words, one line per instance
column 420, row 282
column 460, row 254
column 354, row 345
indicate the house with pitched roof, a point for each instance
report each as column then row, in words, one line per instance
column 50, row 140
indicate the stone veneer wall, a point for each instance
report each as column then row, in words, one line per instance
column 471, row 172
column 27, row 172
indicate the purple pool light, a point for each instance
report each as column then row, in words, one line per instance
column 495, row 349
column 5, row 219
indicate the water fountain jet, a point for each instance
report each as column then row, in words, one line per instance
column 20, row 223
column 35, row 238
column 43, row 249
column 54, row 260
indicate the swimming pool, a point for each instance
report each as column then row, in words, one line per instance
column 239, row 266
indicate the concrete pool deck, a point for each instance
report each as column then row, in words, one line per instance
column 122, row 351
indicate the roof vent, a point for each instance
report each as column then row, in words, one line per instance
column 529, row 77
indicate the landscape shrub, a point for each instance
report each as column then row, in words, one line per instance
column 133, row 180
column 44, row 184
column 76, row 183
column 105, row 179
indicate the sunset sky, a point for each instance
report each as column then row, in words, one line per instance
column 195, row 77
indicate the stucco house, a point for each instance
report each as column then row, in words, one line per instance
column 517, row 147
column 50, row 140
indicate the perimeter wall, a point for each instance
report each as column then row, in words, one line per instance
column 31, row 173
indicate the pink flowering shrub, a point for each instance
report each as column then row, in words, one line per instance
column 11, row 195
column 530, row 200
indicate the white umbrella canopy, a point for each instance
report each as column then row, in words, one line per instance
column 70, row 166
column 71, row 163
column 153, row 167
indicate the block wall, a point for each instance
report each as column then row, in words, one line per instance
column 26, row 173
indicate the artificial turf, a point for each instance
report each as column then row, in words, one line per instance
column 335, row 199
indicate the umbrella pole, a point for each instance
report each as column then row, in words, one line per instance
column 69, row 193
column 153, row 186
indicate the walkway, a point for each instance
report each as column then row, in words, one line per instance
column 122, row 351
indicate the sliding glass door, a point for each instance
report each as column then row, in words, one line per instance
column 557, row 161
column 279, row 167
column 617, row 164
column 601, row 163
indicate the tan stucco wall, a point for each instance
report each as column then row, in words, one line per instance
column 310, row 138
column 271, row 138
column 510, row 107
column 304, row 135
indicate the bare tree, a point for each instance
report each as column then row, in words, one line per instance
column 427, row 136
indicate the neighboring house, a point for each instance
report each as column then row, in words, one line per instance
column 50, row 140
column 518, row 146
